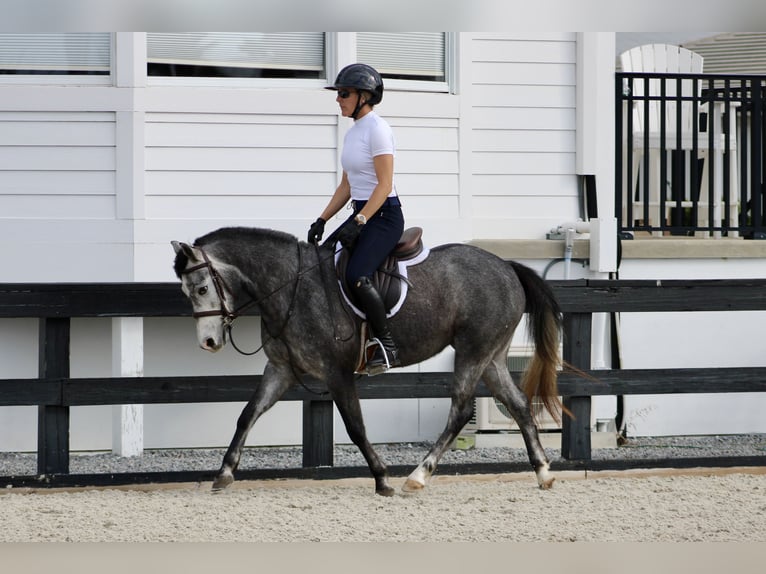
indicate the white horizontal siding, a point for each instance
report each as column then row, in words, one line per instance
column 522, row 184
column 56, row 133
column 57, row 165
column 58, row 206
column 529, row 73
column 522, row 207
column 427, row 162
column 525, row 50
column 556, row 141
column 57, row 158
column 522, row 140
column 213, row 183
column 503, row 95
column 55, row 182
column 223, row 207
column 425, row 138
column 226, row 166
column 559, row 119
column 240, row 159
column 414, row 184
column 242, row 135
column 500, row 163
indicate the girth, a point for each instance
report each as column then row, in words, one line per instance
column 386, row 279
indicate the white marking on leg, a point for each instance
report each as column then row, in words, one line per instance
column 419, row 475
column 416, row 481
column 544, row 477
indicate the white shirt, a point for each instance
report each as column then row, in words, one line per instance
column 370, row 136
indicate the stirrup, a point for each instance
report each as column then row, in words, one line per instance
column 381, row 368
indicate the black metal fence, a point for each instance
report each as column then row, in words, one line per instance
column 690, row 154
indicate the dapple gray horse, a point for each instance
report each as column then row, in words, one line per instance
column 460, row 296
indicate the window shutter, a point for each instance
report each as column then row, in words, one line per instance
column 87, row 52
column 414, row 55
column 283, row 51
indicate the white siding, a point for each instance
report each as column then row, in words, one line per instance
column 57, row 165
column 523, row 134
column 222, row 166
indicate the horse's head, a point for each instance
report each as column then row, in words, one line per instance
column 203, row 284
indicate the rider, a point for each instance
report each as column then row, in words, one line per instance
column 376, row 225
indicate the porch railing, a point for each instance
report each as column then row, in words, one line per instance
column 690, row 154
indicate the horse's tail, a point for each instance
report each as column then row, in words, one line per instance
column 544, row 324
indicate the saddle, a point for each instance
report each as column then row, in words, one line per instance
column 387, row 279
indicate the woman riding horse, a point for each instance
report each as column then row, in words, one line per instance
column 376, row 224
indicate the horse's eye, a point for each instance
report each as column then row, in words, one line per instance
column 202, row 290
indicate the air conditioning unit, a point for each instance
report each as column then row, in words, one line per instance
column 491, row 415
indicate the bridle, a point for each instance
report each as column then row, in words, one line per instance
column 221, row 288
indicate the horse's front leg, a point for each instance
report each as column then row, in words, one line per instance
column 347, row 401
column 273, row 385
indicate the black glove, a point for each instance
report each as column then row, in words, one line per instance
column 316, row 231
column 349, row 234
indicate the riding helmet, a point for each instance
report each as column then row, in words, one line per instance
column 361, row 77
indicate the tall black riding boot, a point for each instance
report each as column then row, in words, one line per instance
column 375, row 310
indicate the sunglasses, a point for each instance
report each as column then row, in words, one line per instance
column 343, row 94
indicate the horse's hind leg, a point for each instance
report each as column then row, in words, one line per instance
column 461, row 410
column 498, row 379
column 347, row 401
column 273, row 385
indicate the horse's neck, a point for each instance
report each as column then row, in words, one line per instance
column 267, row 268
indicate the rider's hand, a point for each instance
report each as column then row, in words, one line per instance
column 316, row 231
column 349, row 234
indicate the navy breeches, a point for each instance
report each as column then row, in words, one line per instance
column 378, row 238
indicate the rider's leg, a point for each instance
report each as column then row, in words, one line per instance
column 375, row 310
column 377, row 239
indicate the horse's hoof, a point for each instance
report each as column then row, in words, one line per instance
column 412, row 486
column 547, row 484
column 222, row 481
column 385, row 491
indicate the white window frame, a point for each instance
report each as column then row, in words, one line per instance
column 223, row 82
column 447, row 86
column 65, row 79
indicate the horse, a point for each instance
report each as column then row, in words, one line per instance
column 460, row 295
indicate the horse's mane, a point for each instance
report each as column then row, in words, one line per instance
column 235, row 234
column 242, row 234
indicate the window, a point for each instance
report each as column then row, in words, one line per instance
column 237, row 55
column 69, row 54
column 413, row 56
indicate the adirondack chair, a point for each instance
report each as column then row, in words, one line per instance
column 664, row 58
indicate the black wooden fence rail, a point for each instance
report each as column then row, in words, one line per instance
column 54, row 392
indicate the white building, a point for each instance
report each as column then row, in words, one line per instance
column 149, row 138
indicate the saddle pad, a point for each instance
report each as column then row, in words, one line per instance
column 402, row 270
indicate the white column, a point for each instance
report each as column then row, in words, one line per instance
column 128, row 333
column 127, row 361
column 595, row 136
column 461, row 64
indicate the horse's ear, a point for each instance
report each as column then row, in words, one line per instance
column 187, row 249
